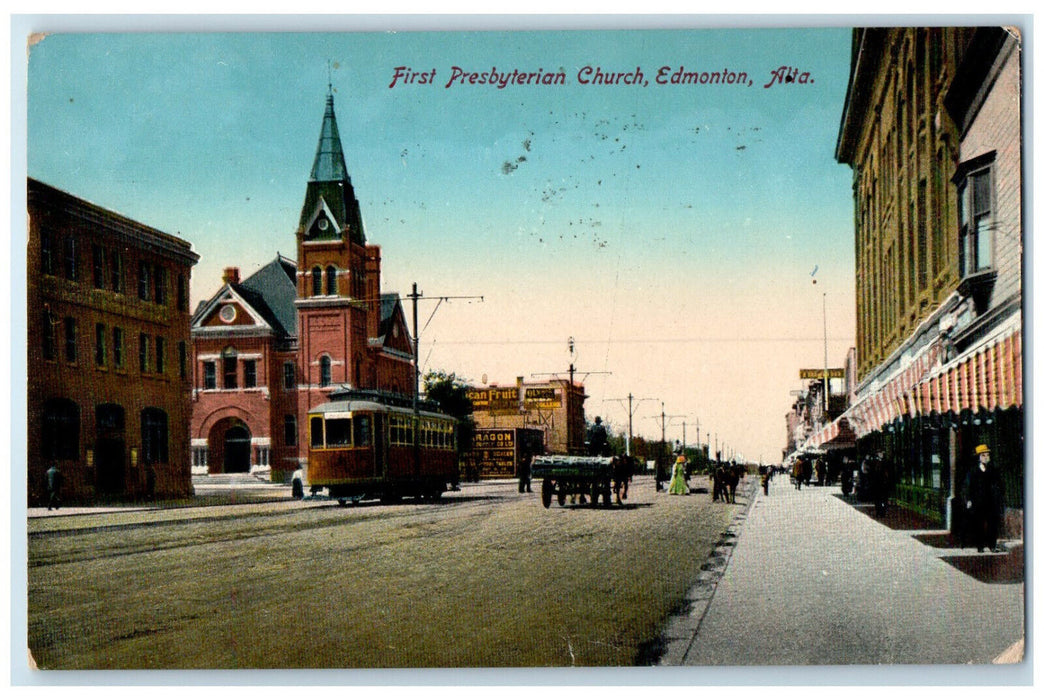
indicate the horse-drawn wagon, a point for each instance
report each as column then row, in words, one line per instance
column 564, row 476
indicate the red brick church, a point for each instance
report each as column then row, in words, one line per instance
column 270, row 347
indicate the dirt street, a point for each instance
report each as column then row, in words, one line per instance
column 487, row 577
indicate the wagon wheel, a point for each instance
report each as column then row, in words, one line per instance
column 561, row 493
column 546, row 490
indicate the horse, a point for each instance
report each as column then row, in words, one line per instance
column 623, row 470
column 732, row 478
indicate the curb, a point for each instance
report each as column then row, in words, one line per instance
column 679, row 633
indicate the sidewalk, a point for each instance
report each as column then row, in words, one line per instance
column 813, row 580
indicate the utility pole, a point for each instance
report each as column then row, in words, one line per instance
column 415, row 296
column 631, row 406
column 572, row 373
column 663, row 422
column 826, row 370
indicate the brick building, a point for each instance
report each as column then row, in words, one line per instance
column 932, row 130
column 108, row 363
column 274, row 345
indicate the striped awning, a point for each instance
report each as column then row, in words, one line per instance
column 838, row 434
column 988, row 377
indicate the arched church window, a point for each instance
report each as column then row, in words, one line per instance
column 325, row 365
column 317, row 281
column 331, row 280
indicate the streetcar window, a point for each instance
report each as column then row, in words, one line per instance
column 339, row 432
column 362, row 431
column 316, row 428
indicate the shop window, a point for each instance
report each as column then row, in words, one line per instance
column 154, row 436
column 61, row 429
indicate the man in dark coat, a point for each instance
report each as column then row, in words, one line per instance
column 54, row 487
column 598, row 439
column 984, row 501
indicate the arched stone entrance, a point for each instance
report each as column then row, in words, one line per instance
column 237, row 450
column 229, row 444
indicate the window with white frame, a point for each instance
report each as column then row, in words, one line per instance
column 976, row 214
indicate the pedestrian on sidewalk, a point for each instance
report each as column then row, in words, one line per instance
column 984, row 500
column 297, row 484
column 54, row 487
column 881, row 478
column 525, row 481
column 765, row 479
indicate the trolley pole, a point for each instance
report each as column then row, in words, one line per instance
column 415, row 296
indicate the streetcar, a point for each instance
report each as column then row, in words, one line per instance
column 366, row 444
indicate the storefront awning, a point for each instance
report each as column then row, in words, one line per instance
column 987, row 377
column 836, row 435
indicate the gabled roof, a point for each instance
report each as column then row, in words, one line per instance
column 269, row 293
column 274, row 288
column 391, row 311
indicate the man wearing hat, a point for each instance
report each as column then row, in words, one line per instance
column 984, row 500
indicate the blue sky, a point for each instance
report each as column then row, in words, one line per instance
column 673, row 231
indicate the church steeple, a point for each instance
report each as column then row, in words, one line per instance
column 330, row 209
column 329, row 157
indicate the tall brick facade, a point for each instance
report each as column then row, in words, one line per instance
column 932, row 128
column 108, row 359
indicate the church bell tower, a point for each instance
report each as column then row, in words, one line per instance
column 338, row 277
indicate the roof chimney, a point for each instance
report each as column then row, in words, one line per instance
column 231, row 275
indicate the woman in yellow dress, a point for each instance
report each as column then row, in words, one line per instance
column 679, row 486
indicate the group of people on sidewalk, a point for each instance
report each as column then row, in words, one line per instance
column 981, row 498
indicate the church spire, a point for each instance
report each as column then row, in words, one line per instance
column 329, row 156
column 330, row 208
